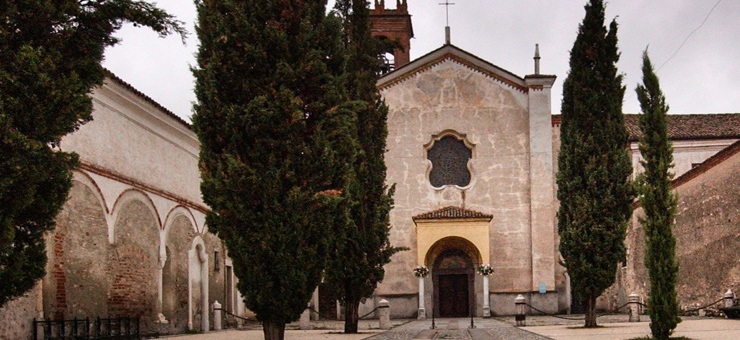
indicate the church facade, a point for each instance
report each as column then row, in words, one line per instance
column 470, row 153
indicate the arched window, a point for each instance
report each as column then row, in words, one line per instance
column 449, row 157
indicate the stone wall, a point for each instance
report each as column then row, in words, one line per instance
column 17, row 315
column 707, row 235
column 78, row 277
column 123, row 244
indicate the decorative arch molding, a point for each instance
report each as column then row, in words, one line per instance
column 452, row 243
column 125, row 197
column 452, row 227
column 175, row 212
column 85, row 179
column 469, row 166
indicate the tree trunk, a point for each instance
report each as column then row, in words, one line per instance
column 273, row 330
column 351, row 316
column 590, row 312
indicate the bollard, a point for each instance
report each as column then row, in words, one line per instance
column 634, row 302
column 304, row 323
column 384, row 309
column 216, row 316
column 521, row 316
column 729, row 298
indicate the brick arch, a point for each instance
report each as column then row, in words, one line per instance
column 77, row 267
column 177, row 211
column 122, row 200
column 85, row 179
column 134, row 261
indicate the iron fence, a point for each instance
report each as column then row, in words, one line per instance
column 122, row 328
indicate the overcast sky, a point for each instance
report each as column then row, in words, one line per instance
column 702, row 76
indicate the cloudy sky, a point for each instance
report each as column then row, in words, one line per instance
column 695, row 44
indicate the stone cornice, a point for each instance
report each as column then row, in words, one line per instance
column 452, row 53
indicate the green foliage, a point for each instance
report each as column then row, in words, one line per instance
column 361, row 247
column 594, row 189
column 277, row 143
column 659, row 204
column 50, row 54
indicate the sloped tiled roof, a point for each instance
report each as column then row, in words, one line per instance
column 451, row 213
column 687, row 126
column 708, row 164
column 110, row 75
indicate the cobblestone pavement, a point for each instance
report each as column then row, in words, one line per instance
column 498, row 328
column 457, row 329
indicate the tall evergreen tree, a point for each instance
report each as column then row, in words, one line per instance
column 594, row 188
column 277, row 142
column 50, row 54
column 659, row 204
column 361, row 246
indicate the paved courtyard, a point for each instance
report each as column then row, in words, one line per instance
column 539, row 328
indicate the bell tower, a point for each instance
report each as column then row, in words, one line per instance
column 393, row 24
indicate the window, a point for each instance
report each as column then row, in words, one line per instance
column 449, row 157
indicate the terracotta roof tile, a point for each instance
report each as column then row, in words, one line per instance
column 687, row 126
column 451, row 213
column 112, row 76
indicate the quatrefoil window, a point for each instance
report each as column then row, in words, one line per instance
column 449, row 157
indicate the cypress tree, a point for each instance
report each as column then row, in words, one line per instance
column 276, row 145
column 659, row 204
column 50, row 54
column 361, row 246
column 594, row 188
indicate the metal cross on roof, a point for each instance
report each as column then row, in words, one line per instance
column 447, row 4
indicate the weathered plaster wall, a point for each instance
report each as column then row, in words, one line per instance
column 707, row 234
column 16, row 315
column 493, row 117
column 175, row 274
column 133, row 138
column 78, row 278
column 137, row 189
column 216, row 278
column 686, row 153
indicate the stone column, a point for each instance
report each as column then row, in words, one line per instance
column 385, row 314
column 422, row 312
column 486, row 302
column 634, row 302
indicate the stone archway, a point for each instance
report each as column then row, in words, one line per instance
column 453, row 261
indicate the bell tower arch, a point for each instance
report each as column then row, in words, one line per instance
column 394, row 24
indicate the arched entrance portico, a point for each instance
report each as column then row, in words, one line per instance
column 453, row 261
column 452, row 242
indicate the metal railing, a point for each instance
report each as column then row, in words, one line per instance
column 123, row 328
